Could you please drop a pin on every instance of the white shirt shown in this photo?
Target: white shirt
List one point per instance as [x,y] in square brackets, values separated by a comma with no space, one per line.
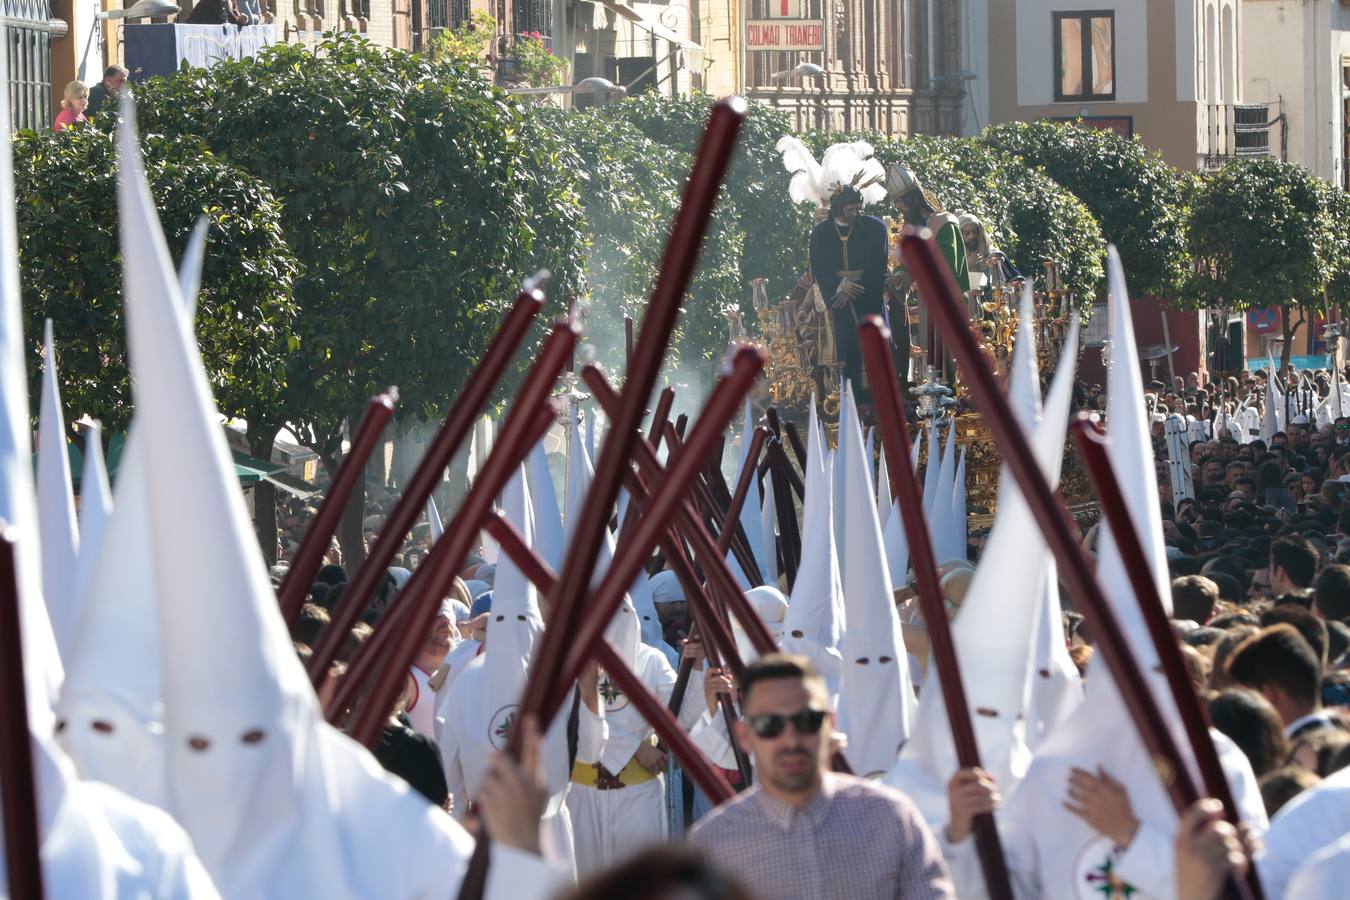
[1311,821]
[422,709]
[1301,721]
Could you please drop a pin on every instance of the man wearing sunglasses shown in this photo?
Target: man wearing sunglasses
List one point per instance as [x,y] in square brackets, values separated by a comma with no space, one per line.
[804,831]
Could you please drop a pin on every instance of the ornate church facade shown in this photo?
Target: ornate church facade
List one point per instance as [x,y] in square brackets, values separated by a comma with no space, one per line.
[892,66]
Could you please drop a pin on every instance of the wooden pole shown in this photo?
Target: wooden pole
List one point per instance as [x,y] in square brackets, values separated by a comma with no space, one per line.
[669,497]
[414,610]
[458,423]
[947,311]
[742,490]
[890,415]
[713,564]
[672,280]
[23,860]
[294,587]
[1194,717]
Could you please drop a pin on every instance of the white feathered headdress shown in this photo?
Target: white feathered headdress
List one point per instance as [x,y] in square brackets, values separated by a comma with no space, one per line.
[842,165]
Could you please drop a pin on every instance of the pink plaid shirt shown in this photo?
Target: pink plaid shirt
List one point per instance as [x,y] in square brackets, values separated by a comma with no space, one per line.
[854,838]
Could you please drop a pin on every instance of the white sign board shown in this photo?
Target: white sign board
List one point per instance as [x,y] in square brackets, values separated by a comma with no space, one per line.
[785,9]
[785,34]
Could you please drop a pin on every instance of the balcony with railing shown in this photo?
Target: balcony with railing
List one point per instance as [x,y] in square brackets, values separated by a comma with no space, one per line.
[1240,131]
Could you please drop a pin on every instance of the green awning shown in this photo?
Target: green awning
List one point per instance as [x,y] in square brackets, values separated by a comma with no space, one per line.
[250,470]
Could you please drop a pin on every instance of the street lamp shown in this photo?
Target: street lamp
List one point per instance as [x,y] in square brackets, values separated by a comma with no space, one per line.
[592,85]
[801,70]
[141,9]
[806,70]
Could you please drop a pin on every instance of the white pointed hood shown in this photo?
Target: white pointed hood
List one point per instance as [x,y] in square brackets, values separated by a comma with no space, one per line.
[995,632]
[750,509]
[59,535]
[514,626]
[876,701]
[95,510]
[273,798]
[812,625]
[113,711]
[958,518]
[548,524]
[112,698]
[940,510]
[893,533]
[434,524]
[768,530]
[1099,732]
[624,630]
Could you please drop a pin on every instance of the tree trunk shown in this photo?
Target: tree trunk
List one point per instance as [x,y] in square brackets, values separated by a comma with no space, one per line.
[265,497]
[349,532]
[1287,333]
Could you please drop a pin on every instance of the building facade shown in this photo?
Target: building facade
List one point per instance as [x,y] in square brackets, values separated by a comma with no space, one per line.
[1169,71]
[888,65]
[1296,56]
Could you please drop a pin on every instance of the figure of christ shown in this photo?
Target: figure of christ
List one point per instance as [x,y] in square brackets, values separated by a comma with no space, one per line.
[848,259]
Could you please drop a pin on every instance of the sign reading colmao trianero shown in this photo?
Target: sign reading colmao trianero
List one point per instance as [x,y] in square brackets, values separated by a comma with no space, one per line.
[785,34]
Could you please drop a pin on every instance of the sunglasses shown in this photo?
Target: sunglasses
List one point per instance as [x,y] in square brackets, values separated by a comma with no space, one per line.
[771,725]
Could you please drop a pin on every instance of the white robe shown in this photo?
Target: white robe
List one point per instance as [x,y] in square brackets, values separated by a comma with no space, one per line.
[1310,821]
[1325,875]
[422,709]
[610,826]
[466,751]
[1048,855]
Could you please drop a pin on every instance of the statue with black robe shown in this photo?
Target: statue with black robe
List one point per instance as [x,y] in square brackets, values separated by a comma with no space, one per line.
[848,259]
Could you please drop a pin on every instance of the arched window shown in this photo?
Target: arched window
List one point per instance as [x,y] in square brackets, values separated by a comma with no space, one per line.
[1229,77]
[1211,62]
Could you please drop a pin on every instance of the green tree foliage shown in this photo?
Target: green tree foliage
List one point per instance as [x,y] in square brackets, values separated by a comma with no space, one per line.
[1268,233]
[1139,201]
[1261,233]
[632,189]
[70,265]
[757,186]
[406,188]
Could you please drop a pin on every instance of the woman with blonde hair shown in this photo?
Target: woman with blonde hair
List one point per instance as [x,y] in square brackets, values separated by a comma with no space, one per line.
[72,106]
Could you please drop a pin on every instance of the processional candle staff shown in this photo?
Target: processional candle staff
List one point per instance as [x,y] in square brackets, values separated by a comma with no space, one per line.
[294,587]
[405,624]
[456,427]
[875,341]
[1054,520]
[1091,446]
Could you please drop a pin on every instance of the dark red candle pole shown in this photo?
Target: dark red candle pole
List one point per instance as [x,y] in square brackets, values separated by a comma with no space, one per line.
[1195,719]
[875,341]
[938,287]
[795,441]
[660,417]
[416,606]
[714,565]
[672,280]
[458,423]
[669,497]
[666,726]
[23,859]
[294,587]
[742,490]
